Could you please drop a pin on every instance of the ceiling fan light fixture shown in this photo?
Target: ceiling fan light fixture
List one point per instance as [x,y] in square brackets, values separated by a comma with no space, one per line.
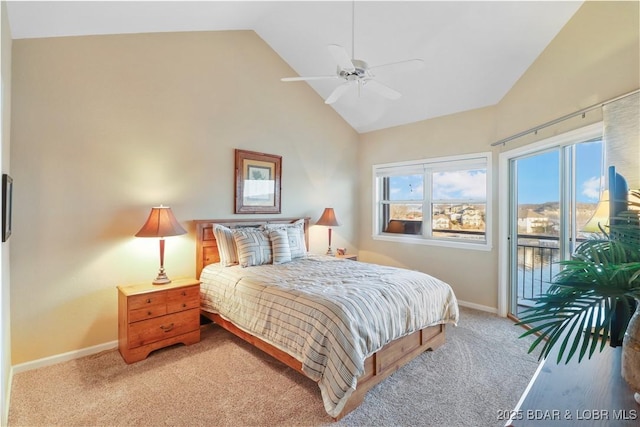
[356,71]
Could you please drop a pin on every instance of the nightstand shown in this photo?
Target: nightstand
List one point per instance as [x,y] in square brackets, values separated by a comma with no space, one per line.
[348,256]
[151,317]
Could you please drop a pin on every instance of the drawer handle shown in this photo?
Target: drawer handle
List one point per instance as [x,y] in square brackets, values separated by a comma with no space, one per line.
[167,328]
[148,300]
[184,294]
[184,305]
[149,313]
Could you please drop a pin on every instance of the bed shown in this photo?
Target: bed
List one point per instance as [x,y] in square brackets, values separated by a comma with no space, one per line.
[315,313]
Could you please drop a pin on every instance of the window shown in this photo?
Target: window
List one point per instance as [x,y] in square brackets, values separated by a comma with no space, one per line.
[442,201]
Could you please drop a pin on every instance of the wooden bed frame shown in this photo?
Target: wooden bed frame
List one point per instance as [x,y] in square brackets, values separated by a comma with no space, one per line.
[378,366]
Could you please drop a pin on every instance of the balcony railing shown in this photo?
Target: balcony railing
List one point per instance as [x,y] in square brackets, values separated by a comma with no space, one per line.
[538,263]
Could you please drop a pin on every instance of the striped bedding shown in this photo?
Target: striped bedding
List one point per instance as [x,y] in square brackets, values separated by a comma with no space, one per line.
[328,313]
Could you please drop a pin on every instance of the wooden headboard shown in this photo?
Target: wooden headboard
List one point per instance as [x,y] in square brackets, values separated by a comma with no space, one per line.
[206,247]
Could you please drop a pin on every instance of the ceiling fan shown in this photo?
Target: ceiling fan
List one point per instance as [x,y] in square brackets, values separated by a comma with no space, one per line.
[356,72]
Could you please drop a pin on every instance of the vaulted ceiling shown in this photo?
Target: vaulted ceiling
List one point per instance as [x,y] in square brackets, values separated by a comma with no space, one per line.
[473,51]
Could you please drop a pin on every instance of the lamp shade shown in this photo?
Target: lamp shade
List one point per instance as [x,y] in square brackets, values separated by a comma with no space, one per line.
[328,218]
[600,217]
[161,223]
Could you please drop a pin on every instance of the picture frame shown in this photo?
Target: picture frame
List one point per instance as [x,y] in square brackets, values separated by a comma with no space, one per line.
[257,182]
[7,199]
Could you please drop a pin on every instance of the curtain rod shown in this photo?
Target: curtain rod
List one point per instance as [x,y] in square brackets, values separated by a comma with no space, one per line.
[563,118]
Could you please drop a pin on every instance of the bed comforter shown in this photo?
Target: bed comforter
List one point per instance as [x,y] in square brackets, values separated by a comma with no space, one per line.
[328,313]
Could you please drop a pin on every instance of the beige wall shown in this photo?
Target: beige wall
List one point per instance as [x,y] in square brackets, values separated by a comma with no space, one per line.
[594,58]
[106,127]
[5,283]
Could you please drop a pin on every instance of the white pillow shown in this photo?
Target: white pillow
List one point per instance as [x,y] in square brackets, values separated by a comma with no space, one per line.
[295,233]
[254,246]
[280,245]
[226,245]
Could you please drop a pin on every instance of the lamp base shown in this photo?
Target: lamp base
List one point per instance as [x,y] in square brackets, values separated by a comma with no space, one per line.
[330,252]
[162,278]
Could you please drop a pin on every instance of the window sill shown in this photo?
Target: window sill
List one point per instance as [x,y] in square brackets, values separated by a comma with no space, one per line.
[433,242]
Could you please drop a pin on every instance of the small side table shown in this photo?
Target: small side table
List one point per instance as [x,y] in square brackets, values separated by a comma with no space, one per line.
[151,317]
[348,256]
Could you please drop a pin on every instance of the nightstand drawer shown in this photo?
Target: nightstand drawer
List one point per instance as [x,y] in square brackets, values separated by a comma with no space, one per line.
[147,300]
[147,313]
[156,329]
[183,299]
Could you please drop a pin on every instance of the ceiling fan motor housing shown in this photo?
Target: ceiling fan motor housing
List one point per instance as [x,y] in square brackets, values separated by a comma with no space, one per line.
[360,70]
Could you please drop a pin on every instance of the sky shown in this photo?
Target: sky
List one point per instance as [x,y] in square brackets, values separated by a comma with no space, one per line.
[538,176]
[464,184]
[538,179]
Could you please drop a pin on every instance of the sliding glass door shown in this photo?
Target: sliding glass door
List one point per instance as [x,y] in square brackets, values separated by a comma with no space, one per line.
[553,191]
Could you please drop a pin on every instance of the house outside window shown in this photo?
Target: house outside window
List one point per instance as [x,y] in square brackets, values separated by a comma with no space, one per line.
[441,201]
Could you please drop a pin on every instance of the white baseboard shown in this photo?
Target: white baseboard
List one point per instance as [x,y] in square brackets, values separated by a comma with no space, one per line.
[64,357]
[491,310]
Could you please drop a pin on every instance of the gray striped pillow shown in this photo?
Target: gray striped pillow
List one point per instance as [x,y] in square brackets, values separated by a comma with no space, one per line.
[254,246]
[280,246]
[296,240]
[226,245]
[295,231]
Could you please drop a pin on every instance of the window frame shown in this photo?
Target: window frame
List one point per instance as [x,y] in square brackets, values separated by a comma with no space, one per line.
[428,167]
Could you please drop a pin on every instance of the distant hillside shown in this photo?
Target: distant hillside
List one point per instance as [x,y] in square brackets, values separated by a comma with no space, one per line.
[551,210]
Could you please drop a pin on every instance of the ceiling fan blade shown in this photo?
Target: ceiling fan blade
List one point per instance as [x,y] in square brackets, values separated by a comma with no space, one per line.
[409,64]
[299,79]
[338,92]
[341,56]
[380,89]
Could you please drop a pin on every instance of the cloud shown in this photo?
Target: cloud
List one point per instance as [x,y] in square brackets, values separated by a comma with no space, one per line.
[470,184]
[591,188]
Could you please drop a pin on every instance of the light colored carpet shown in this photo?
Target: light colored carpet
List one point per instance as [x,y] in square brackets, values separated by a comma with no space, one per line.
[222,381]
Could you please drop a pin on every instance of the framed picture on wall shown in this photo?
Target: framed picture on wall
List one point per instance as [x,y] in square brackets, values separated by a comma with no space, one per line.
[7,193]
[257,184]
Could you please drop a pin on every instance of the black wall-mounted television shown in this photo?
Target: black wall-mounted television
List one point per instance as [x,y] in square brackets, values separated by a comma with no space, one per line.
[618,202]
[618,193]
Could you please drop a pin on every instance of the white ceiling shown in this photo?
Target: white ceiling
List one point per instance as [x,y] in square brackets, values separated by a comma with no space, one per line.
[474,51]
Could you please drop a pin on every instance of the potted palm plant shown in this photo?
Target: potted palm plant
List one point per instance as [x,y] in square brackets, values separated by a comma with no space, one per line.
[598,285]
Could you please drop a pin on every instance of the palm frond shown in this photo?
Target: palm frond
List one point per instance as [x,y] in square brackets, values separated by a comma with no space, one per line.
[560,314]
[600,281]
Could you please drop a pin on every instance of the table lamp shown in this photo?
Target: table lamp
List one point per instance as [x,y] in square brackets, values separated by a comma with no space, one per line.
[161,223]
[328,219]
[600,217]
